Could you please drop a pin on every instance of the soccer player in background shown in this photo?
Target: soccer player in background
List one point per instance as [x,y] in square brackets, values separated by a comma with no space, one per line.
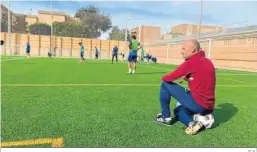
[154,60]
[200,74]
[115,53]
[81,52]
[134,46]
[148,57]
[28,50]
[50,54]
[96,52]
[123,56]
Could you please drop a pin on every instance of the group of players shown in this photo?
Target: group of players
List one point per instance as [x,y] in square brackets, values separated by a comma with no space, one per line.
[97,52]
[133,45]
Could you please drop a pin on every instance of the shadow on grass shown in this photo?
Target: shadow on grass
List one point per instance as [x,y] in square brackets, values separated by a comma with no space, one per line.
[223,113]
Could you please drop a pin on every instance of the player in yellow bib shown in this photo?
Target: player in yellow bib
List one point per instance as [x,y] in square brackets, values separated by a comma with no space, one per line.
[134,46]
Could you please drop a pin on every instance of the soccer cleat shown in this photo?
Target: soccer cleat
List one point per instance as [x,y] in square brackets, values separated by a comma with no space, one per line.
[194,128]
[164,121]
[129,72]
[133,72]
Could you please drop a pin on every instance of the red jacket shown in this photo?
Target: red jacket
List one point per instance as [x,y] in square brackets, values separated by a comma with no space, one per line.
[200,74]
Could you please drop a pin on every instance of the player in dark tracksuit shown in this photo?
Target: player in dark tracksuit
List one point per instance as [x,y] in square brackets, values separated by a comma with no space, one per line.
[28,50]
[115,54]
[154,60]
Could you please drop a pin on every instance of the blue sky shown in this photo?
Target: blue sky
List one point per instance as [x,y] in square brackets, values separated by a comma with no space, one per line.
[164,14]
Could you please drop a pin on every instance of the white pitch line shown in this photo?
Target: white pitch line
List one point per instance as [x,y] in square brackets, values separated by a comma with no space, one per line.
[239,74]
[95,85]
[228,74]
[12,59]
[236,80]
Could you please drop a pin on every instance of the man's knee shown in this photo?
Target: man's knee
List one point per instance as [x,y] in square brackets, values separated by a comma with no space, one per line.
[176,111]
[181,110]
[166,85]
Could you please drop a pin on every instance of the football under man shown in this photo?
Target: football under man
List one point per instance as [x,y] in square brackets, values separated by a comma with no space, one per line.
[134,46]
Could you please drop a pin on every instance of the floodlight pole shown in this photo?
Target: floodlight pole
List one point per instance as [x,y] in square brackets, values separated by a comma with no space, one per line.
[9,27]
[51,26]
[200,19]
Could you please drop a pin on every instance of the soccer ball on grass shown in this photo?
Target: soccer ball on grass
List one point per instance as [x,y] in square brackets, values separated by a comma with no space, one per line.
[206,120]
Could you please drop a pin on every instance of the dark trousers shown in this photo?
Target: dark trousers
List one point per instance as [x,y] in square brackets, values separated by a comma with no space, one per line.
[116,56]
[188,106]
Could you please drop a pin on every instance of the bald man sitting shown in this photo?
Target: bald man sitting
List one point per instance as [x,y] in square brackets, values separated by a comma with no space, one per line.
[199,72]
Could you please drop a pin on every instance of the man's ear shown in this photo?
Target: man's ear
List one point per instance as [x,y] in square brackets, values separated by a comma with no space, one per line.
[194,50]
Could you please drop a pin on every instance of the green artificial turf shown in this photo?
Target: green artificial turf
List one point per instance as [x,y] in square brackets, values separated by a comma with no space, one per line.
[115,115]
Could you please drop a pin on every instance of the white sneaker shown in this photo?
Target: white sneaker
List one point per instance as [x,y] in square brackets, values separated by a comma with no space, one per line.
[165,121]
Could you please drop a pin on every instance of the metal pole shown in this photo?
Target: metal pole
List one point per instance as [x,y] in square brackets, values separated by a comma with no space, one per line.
[209,48]
[200,19]
[126,33]
[167,53]
[139,33]
[9,27]
[51,26]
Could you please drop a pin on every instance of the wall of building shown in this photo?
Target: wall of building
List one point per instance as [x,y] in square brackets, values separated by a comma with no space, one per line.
[189,29]
[4,14]
[4,18]
[150,34]
[166,36]
[46,18]
[31,19]
[229,53]
[179,29]
[147,34]
[62,46]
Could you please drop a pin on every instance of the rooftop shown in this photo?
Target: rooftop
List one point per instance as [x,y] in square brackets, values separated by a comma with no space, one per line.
[226,33]
[197,25]
[51,12]
[34,16]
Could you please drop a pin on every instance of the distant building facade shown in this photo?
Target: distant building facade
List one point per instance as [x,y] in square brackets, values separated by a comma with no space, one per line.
[190,29]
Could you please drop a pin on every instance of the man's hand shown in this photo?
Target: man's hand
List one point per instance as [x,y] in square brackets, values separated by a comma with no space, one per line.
[139,48]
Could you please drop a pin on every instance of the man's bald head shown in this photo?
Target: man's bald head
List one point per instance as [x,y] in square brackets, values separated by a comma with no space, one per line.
[194,44]
[190,47]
